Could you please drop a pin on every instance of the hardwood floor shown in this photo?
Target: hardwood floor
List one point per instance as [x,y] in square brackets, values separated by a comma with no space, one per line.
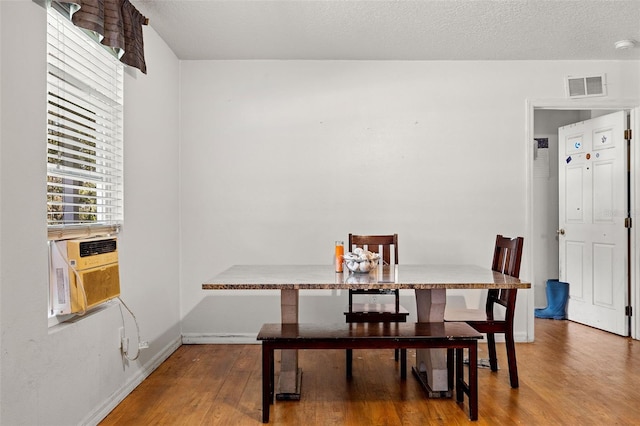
[571,375]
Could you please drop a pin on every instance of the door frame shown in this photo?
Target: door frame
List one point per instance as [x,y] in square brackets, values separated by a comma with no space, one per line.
[632,105]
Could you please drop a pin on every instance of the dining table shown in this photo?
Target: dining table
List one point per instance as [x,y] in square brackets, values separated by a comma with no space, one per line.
[430,283]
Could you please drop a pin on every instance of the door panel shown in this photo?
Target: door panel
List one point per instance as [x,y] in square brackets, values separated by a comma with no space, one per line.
[574,269]
[603,277]
[574,200]
[592,210]
[603,190]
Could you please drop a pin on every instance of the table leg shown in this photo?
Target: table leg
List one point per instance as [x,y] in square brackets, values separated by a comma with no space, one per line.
[290,374]
[431,364]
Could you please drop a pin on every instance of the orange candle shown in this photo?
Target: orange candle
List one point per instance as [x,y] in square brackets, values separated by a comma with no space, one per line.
[339,255]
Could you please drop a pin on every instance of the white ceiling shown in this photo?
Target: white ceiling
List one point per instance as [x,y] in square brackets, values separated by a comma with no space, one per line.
[396,30]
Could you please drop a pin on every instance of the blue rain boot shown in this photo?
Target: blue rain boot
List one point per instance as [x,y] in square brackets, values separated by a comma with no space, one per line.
[557,298]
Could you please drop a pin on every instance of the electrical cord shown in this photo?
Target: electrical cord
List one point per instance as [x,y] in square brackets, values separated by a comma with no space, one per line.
[125,352]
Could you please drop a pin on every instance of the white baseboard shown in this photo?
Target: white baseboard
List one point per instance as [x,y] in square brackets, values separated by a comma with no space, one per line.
[108,405]
[521,337]
[219,338]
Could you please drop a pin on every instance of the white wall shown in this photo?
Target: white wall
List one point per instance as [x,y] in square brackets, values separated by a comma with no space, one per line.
[281,158]
[74,373]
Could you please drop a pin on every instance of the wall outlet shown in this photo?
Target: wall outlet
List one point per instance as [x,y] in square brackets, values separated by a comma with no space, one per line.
[124,341]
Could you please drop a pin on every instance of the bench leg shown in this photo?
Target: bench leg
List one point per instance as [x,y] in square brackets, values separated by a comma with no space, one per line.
[450,368]
[403,363]
[459,373]
[272,378]
[473,381]
[471,386]
[267,381]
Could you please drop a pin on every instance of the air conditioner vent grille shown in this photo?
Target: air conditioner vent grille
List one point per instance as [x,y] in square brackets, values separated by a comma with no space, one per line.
[92,248]
[594,85]
[576,87]
[582,87]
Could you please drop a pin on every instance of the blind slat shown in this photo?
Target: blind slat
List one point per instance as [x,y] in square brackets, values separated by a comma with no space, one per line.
[55,188]
[90,116]
[67,144]
[70,174]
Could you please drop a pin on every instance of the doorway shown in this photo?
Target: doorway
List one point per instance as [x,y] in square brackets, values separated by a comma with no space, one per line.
[543,122]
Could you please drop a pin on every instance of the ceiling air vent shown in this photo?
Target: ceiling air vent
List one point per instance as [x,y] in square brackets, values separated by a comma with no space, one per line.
[583,87]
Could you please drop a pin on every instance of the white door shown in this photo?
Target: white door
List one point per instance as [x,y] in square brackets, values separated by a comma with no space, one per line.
[593,202]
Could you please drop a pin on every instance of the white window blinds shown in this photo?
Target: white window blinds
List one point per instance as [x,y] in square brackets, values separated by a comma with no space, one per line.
[84,146]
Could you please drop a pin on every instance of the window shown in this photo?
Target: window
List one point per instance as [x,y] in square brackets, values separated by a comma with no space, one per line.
[84,145]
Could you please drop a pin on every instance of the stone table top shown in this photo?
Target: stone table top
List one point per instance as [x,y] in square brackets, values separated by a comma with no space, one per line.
[301,277]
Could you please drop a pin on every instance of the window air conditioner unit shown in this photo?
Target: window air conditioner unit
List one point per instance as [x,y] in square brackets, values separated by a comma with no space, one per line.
[83,274]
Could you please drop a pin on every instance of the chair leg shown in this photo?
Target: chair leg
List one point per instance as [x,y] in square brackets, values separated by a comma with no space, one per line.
[349,363]
[403,363]
[491,345]
[511,358]
[397,354]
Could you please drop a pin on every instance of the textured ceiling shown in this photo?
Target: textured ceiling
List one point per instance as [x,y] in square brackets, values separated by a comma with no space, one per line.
[396,30]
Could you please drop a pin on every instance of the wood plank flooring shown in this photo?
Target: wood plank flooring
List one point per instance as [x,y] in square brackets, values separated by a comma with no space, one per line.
[571,375]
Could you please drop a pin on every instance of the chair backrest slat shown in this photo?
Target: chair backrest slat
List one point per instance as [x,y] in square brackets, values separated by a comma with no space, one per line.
[382,244]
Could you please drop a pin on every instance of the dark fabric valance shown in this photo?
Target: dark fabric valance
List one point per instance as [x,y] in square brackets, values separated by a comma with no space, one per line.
[119,24]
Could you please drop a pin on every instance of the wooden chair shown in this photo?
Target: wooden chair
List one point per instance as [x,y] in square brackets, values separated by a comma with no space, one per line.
[506,259]
[376,312]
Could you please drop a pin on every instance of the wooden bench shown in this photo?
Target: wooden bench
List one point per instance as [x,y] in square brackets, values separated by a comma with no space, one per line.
[450,335]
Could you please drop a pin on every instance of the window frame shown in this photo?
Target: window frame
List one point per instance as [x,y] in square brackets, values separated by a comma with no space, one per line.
[85,132]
